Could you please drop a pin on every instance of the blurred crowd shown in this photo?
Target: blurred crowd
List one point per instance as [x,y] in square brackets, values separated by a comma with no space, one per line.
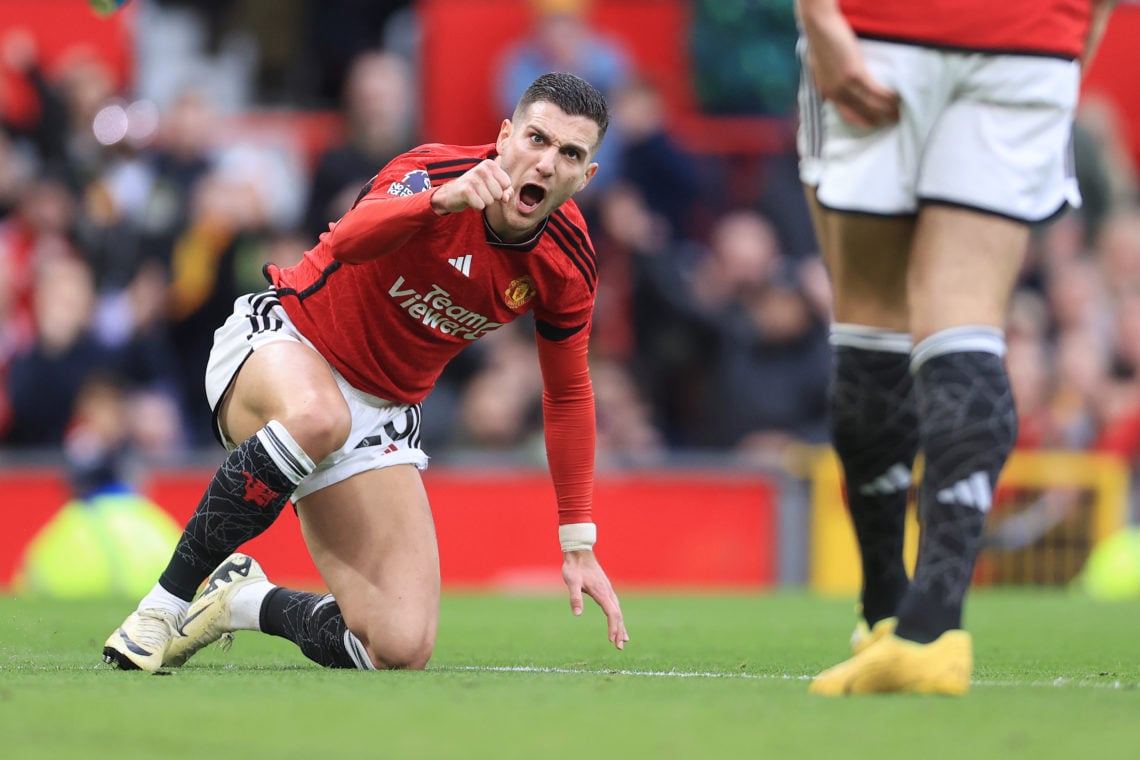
[127,228]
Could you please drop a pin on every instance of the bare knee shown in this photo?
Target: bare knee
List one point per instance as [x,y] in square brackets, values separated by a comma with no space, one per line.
[319,427]
[394,649]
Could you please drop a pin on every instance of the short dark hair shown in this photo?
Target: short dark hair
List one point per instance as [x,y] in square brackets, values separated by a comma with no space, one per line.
[572,94]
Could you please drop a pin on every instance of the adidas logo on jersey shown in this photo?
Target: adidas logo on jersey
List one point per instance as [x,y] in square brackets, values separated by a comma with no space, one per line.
[462,263]
[973,491]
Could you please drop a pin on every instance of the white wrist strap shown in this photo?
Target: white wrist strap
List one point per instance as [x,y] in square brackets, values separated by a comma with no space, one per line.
[577,537]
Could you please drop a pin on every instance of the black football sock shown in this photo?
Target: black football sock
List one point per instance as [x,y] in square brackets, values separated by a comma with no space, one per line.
[874,429]
[968,425]
[315,624]
[244,497]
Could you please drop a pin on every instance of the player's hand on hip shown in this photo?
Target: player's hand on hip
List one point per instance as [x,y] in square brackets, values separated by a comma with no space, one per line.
[479,187]
[583,575]
[841,75]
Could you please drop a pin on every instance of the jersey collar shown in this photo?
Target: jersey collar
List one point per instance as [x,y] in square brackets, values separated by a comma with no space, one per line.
[526,245]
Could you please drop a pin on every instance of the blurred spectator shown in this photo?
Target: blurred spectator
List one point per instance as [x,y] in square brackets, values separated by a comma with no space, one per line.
[1119,251]
[626,434]
[97,440]
[1029,378]
[44,125]
[85,85]
[215,260]
[561,39]
[666,175]
[500,406]
[44,379]
[38,229]
[187,43]
[768,380]
[336,33]
[643,315]
[1081,378]
[1078,298]
[17,168]
[182,155]
[380,109]
[1105,171]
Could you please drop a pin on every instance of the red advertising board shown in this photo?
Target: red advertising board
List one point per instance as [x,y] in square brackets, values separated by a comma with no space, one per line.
[497,528]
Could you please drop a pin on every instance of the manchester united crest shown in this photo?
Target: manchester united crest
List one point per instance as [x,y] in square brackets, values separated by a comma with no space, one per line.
[519,292]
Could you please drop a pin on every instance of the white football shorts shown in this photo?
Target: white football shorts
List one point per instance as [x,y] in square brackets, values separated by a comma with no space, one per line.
[982,131]
[384,433]
[809,131]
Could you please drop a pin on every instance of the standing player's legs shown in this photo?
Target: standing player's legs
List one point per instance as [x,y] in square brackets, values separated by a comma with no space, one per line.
[873,420]
[963,267]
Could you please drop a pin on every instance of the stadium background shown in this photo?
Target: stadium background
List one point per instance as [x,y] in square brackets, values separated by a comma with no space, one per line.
[746,499]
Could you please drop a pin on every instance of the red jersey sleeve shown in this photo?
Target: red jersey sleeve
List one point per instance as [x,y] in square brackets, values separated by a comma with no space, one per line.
[569,426]
[395,204]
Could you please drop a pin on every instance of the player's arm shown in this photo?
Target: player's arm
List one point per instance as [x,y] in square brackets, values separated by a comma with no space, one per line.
[569,426]
[380,222]
[837,66]
[1101,10]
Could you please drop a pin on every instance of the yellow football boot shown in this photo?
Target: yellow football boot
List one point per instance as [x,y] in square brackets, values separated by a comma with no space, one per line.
[863,636]
[893,665]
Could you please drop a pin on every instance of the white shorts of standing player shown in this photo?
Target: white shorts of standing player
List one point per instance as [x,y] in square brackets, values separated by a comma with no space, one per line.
[809,131]
[990,132]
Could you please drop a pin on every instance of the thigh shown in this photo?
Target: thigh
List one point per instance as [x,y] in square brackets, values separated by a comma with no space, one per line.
[373,540]
[261,368]
[284,380]
[868,258]
[964,265]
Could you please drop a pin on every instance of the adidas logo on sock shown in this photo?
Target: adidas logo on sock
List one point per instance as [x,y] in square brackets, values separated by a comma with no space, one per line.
[462,263]
[973,491]
[895,479]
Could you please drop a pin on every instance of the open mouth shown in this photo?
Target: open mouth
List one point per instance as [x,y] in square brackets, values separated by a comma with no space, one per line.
[530,196]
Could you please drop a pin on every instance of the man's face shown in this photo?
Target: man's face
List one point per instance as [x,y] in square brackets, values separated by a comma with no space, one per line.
[547,155]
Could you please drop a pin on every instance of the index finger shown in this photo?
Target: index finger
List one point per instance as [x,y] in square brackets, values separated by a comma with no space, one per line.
[500,175]
[615,622]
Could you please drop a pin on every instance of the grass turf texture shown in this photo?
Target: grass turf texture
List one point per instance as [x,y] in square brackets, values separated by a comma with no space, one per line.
[711,676]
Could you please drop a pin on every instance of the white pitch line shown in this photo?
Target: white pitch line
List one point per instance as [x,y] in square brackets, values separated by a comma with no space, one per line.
[1057,683]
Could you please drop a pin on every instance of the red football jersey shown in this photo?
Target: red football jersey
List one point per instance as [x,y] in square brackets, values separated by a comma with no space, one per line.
[426,286]
[1038,27]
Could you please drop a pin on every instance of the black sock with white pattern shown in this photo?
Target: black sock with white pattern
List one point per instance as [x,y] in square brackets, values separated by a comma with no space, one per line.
[315,624]
[874,429]
[243,499]
[968,426]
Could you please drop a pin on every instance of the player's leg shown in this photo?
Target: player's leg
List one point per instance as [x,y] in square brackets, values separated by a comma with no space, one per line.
[996,159]
[863,210]
[285,408]
[965,265]
[871,398]
[963,269]
[373,540]
[287,411]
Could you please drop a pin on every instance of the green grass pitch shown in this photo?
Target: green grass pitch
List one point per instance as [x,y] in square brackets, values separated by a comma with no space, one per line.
[705,676]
